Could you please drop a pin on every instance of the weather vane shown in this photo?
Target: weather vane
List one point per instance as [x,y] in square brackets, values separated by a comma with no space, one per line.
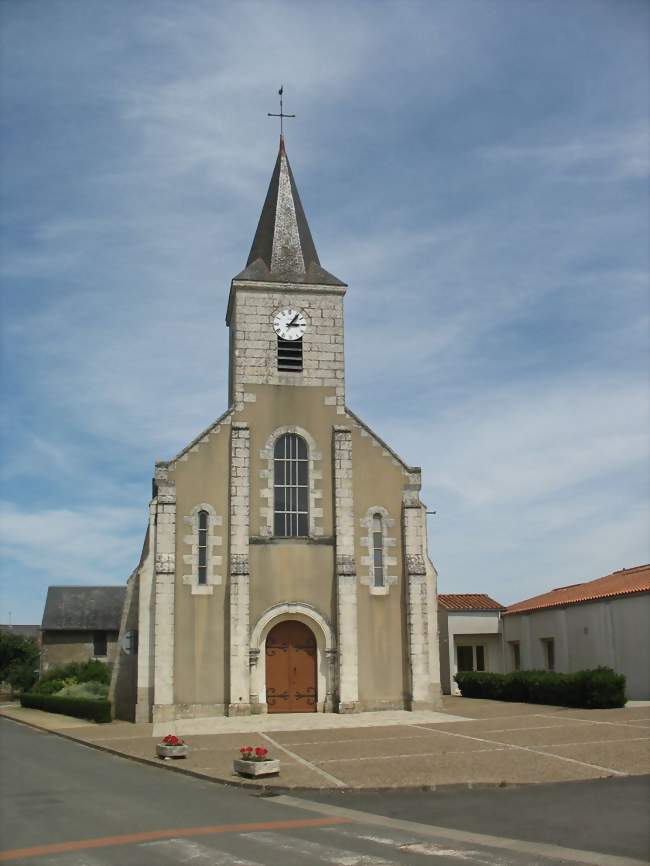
[281,115]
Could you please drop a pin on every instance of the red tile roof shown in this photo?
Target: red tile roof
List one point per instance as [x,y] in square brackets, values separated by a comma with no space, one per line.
[468,601]
[623,582]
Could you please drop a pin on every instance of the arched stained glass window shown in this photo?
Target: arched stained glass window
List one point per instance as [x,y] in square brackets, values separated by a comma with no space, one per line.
[378,550]
[203,547]
[290,486]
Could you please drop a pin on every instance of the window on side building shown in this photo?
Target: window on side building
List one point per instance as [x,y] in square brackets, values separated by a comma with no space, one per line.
[465,658]
[548,645]
[100,646]
[515,655]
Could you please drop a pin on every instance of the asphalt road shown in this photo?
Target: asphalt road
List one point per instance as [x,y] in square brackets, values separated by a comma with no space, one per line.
[64,804]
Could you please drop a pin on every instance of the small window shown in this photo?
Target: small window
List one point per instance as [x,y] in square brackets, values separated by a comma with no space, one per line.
[480,658]
[465,658]
[290,487]
[203,547]
[130,642]
[548,645]
[378,550]
[290,355]
[99,644]
[516,655]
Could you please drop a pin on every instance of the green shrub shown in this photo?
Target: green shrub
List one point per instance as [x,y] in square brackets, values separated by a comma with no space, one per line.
[599,688]
[21,675]
[72,673]
[48,687]
[92,691]
[81,708]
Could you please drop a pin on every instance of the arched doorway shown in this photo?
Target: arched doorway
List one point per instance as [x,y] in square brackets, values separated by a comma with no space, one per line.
[291,668]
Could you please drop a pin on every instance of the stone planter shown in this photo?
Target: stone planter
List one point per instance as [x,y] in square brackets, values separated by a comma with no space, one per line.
[164,751]
[256,768]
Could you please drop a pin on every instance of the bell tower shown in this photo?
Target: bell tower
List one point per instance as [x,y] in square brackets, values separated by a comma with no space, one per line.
[285,311]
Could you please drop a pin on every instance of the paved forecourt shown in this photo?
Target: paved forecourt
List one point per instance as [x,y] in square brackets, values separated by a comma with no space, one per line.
[66,805]
[471,742]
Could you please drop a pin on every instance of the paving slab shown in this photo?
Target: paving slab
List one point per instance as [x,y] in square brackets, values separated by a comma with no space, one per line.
[299,722]
[557,734]
[631,757]
[491,766]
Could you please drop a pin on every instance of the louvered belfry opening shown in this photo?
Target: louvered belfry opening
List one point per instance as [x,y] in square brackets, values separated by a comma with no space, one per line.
[290,355]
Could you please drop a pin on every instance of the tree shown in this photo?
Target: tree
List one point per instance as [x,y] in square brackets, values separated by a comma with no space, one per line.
[18,660]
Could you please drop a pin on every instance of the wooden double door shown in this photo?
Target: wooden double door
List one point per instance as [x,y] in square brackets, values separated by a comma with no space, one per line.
[291,668]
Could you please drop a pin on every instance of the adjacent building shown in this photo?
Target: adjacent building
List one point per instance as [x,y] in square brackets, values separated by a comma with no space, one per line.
[80,623]
[600,622]
[470,636]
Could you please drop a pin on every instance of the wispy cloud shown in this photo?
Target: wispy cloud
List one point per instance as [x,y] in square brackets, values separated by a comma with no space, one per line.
[483,190]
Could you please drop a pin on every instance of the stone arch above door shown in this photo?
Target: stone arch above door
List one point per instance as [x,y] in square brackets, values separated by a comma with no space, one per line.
[325,652]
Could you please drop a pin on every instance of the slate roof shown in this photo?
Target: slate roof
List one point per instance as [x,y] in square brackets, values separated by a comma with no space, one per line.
[283,249]
[627,581]
[77,608]
[468,601]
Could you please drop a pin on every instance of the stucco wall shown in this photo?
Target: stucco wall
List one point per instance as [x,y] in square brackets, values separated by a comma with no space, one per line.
[471,628]
[61,647]
[611,632]
[383,663]
[202,477]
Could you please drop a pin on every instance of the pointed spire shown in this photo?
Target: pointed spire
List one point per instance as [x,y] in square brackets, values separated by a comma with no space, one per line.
[283,249]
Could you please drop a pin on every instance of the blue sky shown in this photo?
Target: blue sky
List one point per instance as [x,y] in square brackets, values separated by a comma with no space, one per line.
[476,171]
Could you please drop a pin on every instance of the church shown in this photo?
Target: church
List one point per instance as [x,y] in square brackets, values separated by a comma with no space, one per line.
[285,565]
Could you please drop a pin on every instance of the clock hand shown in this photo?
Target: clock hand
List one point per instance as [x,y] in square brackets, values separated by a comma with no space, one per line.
[293,321]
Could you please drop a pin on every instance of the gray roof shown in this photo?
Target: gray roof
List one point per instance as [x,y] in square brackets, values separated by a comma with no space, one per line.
[83,607]
[283,249]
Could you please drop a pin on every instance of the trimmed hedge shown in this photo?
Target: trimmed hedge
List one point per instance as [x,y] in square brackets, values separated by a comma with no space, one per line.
[601,688]
[81,708]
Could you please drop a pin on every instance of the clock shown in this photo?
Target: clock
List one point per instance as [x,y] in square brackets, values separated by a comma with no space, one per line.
[289,324]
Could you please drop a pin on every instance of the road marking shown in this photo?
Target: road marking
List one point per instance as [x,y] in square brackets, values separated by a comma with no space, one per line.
[520,846]
[610,770]
[311,850]
[409,843]
[595,721]
[330,778]
[503,747]
[187,851]
[152,835]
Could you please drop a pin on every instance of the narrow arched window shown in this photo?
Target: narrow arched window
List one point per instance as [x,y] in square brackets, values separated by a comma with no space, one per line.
[378,550]
[290,486]
[203,547]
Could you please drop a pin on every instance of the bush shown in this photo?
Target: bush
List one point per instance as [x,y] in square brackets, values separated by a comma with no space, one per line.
[92,691]
[72,673]
[21,675]
[599,688]
[48,687]
[81,708]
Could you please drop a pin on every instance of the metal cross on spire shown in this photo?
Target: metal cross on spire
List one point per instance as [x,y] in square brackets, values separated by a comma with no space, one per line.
[281,115]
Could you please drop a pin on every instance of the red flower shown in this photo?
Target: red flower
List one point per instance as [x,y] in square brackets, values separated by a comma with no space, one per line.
[261,753]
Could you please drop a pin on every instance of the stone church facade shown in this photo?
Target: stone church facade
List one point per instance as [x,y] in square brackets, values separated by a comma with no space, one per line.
[285,564]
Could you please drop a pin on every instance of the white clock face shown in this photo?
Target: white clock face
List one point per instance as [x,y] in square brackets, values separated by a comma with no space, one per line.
[290,324]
